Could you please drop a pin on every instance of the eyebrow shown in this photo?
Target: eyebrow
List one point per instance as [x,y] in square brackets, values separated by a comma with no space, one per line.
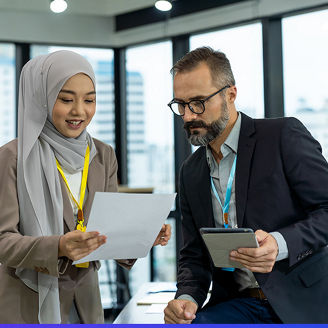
[190,99]
[74,93]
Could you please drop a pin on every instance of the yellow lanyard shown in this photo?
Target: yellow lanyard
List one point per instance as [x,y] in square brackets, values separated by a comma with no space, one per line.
[80,218]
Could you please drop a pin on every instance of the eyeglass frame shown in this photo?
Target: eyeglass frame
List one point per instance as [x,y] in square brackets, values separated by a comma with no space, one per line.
[202,101]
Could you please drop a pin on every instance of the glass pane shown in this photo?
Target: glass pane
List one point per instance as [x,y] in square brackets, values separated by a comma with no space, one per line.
[107,282]
[149,129]
[7,93]
[139,274]
[165,258]
[305,53]
[243,47]
[102,125]
[149,120]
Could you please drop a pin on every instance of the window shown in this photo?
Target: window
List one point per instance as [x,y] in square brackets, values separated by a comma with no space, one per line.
[165,258]
[102,125]
[243,47]
[7,93]
[305,53]
[150,137]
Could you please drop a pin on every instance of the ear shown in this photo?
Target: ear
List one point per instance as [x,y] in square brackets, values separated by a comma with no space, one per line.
[231,94]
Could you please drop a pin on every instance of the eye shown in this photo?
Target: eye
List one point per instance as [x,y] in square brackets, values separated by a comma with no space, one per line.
[90,101]
[66,100]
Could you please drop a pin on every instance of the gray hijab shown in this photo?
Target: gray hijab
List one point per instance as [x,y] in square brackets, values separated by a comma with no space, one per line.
[38,184]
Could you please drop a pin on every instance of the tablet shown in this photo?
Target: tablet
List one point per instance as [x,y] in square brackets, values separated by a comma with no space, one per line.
[225,230]
[221,241]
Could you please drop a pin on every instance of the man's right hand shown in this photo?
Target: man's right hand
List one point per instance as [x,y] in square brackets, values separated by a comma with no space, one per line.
[180,311]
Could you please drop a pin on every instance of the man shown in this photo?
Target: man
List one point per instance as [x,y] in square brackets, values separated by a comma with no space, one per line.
[279,189]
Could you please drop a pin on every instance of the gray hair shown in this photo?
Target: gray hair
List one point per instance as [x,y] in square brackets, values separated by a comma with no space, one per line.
[217,62]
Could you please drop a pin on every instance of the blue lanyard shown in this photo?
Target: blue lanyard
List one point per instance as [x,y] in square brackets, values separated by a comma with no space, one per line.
[225,207]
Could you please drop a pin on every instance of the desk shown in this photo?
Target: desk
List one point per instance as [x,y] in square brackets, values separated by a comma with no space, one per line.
[133,313]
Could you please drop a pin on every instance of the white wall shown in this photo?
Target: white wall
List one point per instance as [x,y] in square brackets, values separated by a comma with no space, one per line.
[55,28]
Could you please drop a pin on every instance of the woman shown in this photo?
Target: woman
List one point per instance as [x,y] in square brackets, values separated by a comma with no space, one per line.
[49,176]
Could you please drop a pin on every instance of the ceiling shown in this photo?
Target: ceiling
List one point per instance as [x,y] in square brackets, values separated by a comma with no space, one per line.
[78,7]
[126,13]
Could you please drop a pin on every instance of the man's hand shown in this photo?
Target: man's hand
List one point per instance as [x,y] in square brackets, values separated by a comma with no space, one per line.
[163,236]
[180,311]
[261,259]
[77,244]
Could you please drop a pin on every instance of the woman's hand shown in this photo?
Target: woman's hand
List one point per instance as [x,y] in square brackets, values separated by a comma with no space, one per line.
[77,244]
[163,236]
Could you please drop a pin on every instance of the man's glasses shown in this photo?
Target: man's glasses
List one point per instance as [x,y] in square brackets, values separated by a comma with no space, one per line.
[196,106]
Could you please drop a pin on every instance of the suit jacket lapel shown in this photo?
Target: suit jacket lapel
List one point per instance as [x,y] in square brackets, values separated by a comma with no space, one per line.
[201,178]
[246,146]
[96,182]
[68,211]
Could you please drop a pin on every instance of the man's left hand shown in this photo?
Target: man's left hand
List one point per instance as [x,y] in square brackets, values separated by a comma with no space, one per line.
[261,259]
[164,236]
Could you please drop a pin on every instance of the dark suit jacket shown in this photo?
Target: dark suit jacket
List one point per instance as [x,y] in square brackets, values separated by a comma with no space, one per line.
[281,185]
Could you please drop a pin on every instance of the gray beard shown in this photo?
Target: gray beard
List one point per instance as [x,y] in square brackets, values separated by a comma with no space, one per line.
[214,130]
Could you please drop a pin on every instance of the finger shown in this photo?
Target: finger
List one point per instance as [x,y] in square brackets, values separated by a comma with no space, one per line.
[168,319]
[171,318]
[89,235]
[238,257]
[87,246]
[254,263]
[190,309]
[164,239]
[92,243]
[79,253]
[261,269]
[168,230]
[77,235]
[184,310]
[175,309]
[261,235]
[250,252]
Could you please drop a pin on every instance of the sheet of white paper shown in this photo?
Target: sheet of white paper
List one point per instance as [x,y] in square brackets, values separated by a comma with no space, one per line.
[131,223]
[156,298]
[156,308]
[168,286]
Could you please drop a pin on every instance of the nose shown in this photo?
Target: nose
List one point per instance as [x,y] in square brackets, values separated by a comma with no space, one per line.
[78,108]
[189,115]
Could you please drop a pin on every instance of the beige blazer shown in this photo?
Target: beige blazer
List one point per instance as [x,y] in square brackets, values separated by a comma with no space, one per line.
[18,303]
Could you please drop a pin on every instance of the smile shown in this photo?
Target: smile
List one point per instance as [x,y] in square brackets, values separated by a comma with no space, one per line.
[74,125]
[74,122]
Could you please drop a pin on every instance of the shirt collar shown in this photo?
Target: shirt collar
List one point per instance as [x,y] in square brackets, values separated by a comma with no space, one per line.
[233,137]
[231,143]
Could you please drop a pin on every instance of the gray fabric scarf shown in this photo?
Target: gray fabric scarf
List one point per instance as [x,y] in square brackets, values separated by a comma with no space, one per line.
[38,183]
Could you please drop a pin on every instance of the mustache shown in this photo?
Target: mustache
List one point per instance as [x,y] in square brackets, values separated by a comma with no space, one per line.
[195,124]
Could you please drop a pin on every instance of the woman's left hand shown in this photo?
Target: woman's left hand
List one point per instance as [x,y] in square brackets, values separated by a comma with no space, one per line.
[163,236]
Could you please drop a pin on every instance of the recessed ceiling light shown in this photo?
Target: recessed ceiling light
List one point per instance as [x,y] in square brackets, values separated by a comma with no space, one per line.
[58,6]
[163,5]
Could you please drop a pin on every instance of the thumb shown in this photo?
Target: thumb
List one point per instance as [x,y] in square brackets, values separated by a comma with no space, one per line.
[261,235]
[190,310]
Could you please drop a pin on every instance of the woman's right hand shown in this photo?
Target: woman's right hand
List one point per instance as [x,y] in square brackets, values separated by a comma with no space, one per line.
[77,244]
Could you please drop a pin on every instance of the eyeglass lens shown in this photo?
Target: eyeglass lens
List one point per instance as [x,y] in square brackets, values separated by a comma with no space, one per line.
[179,109]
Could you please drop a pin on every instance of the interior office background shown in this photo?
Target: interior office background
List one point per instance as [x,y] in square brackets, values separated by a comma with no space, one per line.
[278,51]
